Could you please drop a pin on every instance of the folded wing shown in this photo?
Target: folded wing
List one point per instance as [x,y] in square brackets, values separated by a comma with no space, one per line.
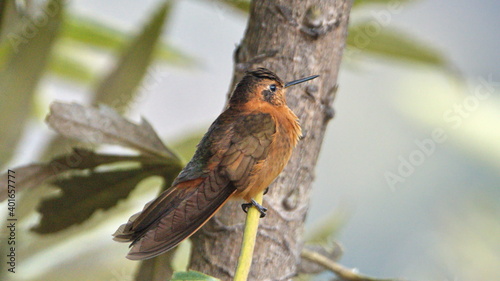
[222,164]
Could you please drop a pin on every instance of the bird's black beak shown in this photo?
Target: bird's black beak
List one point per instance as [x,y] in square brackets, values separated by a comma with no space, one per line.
[298,81]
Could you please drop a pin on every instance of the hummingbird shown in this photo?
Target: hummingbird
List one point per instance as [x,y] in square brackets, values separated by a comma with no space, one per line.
[242,153]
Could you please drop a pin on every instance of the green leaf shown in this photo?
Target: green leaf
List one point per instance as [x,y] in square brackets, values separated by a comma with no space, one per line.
[192,276]
[119,87]
[169,53]
[78,33]
[372,38]
[92,32]
[33,175]
[83,195]
[101,35]
[20,75]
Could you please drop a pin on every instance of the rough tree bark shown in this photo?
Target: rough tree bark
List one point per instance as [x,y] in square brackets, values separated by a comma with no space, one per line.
[295,39]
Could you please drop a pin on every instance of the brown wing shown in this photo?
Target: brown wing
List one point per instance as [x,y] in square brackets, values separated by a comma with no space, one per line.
[185,210]
[221,164]
[249,145]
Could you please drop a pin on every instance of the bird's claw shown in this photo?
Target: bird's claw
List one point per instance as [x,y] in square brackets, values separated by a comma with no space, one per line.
[259,207]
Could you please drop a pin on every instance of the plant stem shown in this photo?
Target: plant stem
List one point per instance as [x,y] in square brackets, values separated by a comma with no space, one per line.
[248,243]
[343,272]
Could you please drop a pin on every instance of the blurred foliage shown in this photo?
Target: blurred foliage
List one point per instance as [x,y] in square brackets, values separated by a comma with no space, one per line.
[118,87]
[155,269]
[468,119]
[26,57]
[80,35]
[22,71]
[121,84]
[471,245]
[103,36]
[240,5]
[326,228]
[391,44]
[321,239]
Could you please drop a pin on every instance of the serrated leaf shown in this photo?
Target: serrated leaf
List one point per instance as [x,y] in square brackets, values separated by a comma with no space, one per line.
[393,44]
[83,195]
[119,87]
[20,75]
[192,276]
[92,32]
[25,178]
[33,175]
[104,126]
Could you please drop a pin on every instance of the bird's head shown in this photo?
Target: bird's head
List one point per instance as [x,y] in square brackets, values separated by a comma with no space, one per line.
[262,85]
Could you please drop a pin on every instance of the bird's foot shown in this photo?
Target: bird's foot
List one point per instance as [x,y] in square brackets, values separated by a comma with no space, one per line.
[266,190]
[259,207]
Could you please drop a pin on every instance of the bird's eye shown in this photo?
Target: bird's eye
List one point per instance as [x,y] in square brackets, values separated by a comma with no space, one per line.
[272,88]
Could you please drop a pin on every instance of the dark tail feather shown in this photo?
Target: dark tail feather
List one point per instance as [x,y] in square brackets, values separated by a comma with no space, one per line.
[174,216]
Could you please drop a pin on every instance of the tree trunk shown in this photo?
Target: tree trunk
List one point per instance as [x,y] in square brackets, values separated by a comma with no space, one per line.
[294,39]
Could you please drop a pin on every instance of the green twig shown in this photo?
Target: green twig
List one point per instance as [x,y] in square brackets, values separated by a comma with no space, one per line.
[248,243]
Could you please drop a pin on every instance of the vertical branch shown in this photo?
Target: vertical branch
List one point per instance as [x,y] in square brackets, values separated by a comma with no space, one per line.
[293,38]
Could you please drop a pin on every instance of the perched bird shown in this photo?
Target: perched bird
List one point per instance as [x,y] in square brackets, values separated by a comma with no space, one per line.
[242,153]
